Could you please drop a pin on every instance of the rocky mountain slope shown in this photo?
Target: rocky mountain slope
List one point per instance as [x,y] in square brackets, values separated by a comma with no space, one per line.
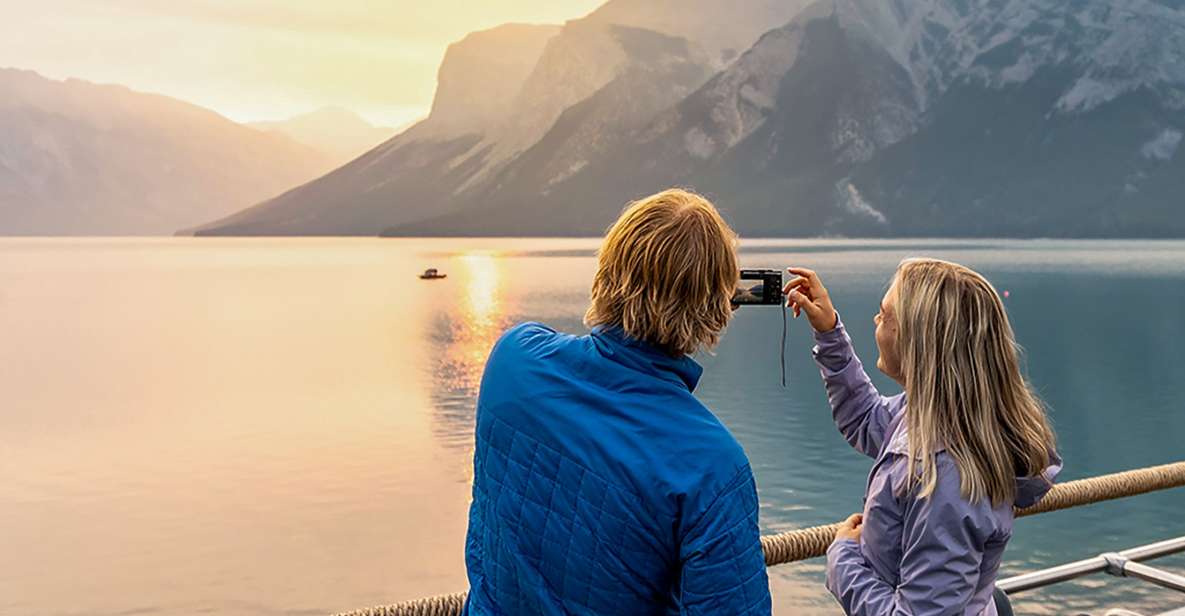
[723,29]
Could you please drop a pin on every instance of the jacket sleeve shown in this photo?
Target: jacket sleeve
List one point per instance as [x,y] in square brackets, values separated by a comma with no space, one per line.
[722,564]
[944,539]
[861,413]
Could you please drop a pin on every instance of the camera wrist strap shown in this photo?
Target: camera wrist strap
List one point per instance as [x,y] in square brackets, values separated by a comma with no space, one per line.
[784,316]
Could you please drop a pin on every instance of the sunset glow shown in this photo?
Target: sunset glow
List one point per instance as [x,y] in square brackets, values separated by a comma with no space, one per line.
[262,59]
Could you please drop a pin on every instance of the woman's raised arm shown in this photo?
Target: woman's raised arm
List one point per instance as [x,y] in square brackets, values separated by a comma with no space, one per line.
[861,413]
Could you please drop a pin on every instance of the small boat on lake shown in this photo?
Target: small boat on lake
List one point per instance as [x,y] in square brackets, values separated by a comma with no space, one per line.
[432,274]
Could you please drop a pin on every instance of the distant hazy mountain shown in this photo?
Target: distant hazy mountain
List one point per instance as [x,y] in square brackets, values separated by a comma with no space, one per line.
[78,158]
[340,134]
[857,117]
[479,80]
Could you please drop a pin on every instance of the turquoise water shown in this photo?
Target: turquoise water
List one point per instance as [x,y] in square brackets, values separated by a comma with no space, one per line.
[1103,324]
[285,426]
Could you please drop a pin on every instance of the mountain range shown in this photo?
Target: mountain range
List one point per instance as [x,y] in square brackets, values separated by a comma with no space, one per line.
[564,94]
[78,158]
[1059,118]
[1005,118]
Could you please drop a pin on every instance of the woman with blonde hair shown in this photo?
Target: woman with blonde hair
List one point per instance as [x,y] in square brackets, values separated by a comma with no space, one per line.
[964,443]
[600,484]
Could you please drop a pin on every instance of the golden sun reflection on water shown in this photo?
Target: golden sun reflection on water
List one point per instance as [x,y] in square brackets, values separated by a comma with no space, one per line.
[480,320]
[483,280]
[465,334]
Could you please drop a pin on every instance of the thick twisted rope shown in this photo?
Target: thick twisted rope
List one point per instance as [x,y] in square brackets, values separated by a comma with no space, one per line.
[812,542]
[443,605]
[1109,487]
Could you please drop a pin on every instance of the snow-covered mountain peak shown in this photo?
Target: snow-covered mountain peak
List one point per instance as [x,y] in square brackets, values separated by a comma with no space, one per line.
[1114,46]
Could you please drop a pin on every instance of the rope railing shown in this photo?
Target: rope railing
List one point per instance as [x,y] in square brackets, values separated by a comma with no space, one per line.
[807,543]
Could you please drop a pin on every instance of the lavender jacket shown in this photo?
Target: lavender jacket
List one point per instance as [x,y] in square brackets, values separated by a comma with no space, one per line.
[920,557]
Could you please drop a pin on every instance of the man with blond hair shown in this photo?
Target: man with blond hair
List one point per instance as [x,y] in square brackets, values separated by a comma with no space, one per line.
[601,485]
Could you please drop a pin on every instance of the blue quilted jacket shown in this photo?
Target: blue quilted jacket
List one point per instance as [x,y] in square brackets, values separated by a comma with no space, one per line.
[602,486]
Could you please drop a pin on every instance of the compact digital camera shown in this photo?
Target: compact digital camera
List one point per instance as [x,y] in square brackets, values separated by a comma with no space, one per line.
[758,287]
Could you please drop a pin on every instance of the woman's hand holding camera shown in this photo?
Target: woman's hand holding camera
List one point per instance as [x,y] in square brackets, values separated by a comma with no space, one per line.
[805,292]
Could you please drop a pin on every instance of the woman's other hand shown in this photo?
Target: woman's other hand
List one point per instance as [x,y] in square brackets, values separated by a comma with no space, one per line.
[806,293]
[851,528]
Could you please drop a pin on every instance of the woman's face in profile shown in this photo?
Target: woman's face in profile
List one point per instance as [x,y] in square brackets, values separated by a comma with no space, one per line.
[889,361]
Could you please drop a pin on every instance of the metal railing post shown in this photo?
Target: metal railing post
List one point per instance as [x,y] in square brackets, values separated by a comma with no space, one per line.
[1159,577]
[1125,563]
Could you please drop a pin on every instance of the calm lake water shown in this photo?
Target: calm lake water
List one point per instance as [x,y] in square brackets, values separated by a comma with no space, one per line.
[285,426]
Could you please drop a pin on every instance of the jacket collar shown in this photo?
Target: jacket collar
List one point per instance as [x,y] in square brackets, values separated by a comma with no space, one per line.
[613,342]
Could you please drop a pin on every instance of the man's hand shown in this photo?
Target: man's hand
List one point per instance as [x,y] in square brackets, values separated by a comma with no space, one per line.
[806,292]
[851,528]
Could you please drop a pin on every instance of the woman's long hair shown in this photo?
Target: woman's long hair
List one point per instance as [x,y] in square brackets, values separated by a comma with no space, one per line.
[963,383]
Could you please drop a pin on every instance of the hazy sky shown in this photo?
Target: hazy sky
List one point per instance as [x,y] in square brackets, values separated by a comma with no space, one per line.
[261,59]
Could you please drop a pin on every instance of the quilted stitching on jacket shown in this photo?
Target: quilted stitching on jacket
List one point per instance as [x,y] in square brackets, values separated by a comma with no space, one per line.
[592,526]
